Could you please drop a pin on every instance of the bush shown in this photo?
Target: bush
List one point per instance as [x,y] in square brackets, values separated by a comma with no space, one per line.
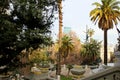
[69,66]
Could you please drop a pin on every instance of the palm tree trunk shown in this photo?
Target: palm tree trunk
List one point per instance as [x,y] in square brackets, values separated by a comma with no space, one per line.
[64,60]
[60,21]
[66,55]
[60,34]
[105,46]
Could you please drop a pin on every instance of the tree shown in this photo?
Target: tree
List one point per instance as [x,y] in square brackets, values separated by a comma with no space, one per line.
[66,46]
[60,36]
[73,53]
[90,33]
[106,15]
[90,51]
[76,42]
[23,24]
[8,34]
[38,55]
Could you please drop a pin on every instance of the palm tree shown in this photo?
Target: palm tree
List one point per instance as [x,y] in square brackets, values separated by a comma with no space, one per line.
[91,51]
[90,33]
[106,14]
[60,20]
[66,46]
[60,34]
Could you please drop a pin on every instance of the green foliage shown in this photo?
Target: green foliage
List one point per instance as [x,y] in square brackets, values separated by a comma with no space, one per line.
[69,66]
[38,55]
[65,78]
[23,25]
[67,46]
[90,51]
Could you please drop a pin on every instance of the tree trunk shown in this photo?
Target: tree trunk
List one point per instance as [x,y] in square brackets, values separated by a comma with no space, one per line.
[25,69]
[60,34]
[105,46]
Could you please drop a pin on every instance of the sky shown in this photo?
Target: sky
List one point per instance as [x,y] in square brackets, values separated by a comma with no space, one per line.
[76,16]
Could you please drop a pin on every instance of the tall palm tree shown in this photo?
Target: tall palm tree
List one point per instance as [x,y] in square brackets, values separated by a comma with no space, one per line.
[106,14]
[60,34]
[66,46]
[60,20]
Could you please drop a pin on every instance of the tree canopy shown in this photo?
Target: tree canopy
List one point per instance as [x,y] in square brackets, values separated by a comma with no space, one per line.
[106,13]
[23,24]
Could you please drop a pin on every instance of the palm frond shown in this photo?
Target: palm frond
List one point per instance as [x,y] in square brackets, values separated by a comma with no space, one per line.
[115,7]
[110,2]
[97,4]
[115,4]
[96,14]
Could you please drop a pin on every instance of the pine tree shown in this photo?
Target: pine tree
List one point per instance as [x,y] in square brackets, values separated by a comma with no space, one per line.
[24,24]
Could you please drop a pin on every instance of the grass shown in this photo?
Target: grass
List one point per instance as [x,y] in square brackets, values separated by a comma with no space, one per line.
[66,78]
